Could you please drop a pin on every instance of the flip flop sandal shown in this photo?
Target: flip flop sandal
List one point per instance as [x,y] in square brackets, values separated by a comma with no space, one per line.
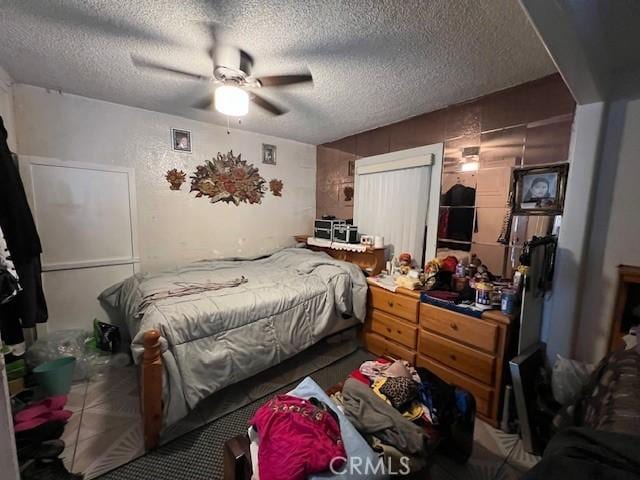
[37,409]
[30,413]
[50,416]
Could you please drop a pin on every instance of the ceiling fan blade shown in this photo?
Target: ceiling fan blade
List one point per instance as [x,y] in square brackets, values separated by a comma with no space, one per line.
[281,80]
[212,28]
[204,104]
[143,63]
[267,105]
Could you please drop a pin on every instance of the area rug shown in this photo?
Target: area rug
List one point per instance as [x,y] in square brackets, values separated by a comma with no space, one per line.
[198,454]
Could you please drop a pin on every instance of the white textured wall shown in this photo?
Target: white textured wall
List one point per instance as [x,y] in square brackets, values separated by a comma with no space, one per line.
[615,232]
[561,308]
[174,227]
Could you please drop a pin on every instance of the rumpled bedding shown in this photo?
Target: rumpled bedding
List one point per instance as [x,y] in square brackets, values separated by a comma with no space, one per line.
[212,339]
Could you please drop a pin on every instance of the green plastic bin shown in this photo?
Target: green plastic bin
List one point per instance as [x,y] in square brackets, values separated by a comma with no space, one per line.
[55,377]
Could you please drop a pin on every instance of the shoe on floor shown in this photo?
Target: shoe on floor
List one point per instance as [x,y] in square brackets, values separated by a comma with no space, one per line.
[50,449]
[48,470]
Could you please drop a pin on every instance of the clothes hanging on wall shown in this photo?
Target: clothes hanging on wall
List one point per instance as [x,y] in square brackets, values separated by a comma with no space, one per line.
[507,222]
[9,284]
[28,307]
[15,215]
[459,221]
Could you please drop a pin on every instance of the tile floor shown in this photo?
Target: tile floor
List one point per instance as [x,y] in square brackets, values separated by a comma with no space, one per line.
[106,432]
[106,428]
[496,456]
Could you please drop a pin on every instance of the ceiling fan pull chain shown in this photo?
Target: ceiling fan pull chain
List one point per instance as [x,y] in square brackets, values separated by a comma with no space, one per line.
[228,131]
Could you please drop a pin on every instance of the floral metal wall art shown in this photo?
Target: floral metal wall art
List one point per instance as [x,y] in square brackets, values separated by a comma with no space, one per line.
[275,186]
[228,178]
[175,178]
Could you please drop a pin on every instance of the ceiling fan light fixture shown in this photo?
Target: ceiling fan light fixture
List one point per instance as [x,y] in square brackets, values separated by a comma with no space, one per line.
[231,101]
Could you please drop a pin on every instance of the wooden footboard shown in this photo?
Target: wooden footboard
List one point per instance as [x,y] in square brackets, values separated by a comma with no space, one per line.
[237,458]
[151,389]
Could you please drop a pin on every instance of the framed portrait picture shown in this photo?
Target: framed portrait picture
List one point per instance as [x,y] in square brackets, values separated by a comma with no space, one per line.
[539,190]
[268,154]
[181,140]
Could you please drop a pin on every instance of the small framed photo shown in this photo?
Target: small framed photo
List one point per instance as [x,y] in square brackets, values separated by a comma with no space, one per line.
[540,190]
[268,154]
[352,168]
[181,140]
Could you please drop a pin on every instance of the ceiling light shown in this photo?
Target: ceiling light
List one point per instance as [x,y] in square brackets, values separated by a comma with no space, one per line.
[470,166]
[232,101]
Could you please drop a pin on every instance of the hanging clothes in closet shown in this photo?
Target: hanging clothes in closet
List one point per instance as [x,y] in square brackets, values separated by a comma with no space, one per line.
[28,306]
[9,285]
[457,222]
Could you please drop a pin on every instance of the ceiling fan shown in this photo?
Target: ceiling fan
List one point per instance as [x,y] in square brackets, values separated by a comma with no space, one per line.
[232,70]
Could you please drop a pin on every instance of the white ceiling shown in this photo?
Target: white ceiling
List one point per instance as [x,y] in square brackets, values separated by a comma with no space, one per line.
[374,62]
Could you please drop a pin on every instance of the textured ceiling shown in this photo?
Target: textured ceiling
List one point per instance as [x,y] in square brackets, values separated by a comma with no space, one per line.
[374,62]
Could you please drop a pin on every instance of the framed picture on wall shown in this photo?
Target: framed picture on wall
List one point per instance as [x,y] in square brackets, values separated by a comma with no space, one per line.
[181,140]
[268,154]
[540,190]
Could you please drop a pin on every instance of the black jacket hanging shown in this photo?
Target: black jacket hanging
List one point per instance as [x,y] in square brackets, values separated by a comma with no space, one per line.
[29,305]
[15,215]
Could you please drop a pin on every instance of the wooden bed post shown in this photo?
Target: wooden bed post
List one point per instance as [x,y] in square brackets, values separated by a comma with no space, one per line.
[151,389]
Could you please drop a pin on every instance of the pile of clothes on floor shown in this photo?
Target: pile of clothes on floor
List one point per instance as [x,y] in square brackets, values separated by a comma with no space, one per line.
[38,427]
[386,418]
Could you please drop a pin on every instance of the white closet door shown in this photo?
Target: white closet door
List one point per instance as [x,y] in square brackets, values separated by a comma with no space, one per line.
[394,204]
[397,196]
[85,214]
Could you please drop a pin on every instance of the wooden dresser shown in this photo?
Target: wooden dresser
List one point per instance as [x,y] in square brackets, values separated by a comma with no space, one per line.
[463,350]
[392,326]
[467,351]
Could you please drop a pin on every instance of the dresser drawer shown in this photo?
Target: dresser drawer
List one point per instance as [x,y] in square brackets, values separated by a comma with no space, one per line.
[482,394]
[381,346]
[393,328]
[472,331]
[455,355]
[395,304]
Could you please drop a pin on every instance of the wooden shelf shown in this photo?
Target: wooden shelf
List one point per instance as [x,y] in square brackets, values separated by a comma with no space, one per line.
[371,260]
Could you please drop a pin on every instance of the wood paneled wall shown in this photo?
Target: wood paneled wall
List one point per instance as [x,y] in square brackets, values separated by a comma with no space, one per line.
[521,118]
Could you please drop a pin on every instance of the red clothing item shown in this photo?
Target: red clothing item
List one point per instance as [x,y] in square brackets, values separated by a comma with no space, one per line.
[297,438]
[357,375]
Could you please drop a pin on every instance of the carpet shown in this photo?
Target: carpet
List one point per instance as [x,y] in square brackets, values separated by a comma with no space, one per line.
[198,454]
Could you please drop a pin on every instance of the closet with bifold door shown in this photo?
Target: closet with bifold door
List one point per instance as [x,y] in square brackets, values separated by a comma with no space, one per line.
[86,217]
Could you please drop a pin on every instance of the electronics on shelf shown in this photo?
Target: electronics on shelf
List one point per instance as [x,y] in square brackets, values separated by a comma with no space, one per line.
[345,233]
[323,228]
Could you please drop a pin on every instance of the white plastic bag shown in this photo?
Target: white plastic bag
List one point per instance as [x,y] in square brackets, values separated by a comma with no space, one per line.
[73,343]
[568,378]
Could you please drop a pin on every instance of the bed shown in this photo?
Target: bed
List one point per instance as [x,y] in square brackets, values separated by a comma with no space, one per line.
[199,328]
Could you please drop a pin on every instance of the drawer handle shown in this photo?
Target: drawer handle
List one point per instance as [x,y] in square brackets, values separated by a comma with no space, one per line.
[452,357]
[389,330]
[390,303]
[453,325]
